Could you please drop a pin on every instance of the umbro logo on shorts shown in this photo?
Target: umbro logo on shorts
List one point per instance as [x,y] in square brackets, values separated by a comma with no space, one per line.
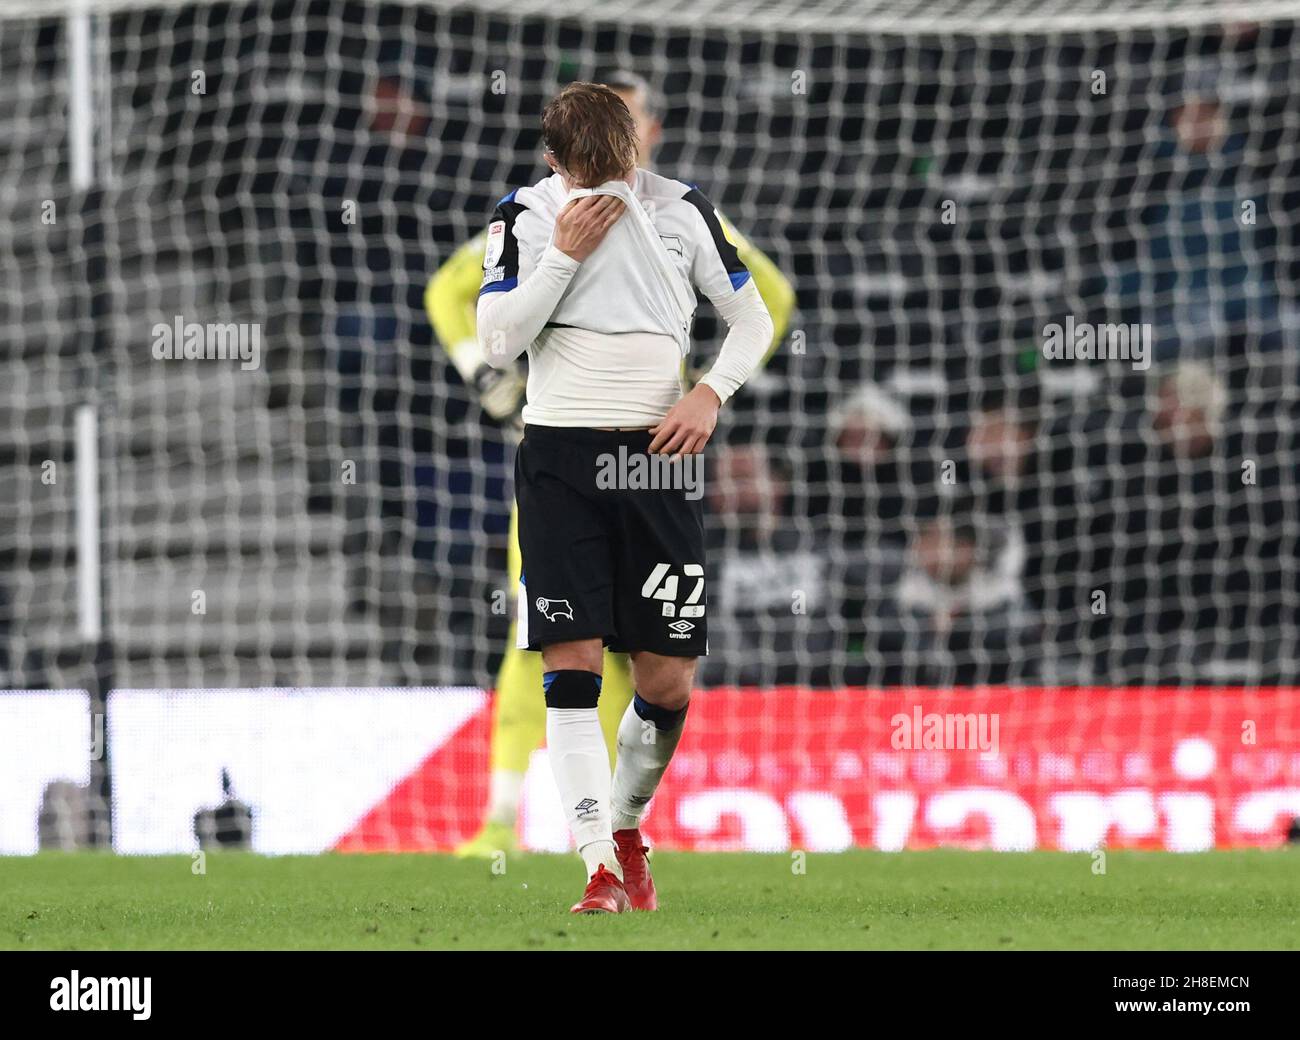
[554,608]
[681,628]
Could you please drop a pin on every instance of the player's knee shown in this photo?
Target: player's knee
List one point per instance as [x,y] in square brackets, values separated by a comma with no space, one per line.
[664,681]
[571,688]
[572,677]
[582,655]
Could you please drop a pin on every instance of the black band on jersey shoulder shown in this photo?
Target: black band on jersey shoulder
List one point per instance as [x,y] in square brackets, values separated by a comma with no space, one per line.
[503,275]
[730,258]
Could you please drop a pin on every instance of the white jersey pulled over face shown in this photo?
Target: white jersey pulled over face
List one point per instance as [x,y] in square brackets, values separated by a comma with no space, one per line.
[605,338]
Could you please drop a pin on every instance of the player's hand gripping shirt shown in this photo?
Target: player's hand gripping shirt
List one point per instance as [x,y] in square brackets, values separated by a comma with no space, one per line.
[604,346]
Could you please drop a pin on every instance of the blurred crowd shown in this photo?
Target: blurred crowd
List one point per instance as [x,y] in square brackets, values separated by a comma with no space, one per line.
[994,514]
[1152,539]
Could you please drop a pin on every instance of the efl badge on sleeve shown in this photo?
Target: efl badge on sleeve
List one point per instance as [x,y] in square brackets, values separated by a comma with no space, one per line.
[496,244]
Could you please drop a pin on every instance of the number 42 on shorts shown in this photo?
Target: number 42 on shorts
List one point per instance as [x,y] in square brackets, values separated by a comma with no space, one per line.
[662,585]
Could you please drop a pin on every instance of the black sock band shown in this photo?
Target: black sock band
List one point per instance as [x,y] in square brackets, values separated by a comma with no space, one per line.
[571,688]
[663,718]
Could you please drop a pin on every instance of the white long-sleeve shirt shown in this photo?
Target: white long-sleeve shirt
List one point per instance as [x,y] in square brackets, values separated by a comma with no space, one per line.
[602,348]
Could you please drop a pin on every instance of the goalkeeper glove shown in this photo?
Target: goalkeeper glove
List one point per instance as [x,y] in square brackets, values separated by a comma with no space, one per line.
[500,391]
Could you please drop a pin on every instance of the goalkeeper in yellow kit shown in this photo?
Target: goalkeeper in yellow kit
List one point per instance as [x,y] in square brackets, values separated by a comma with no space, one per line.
[519,724]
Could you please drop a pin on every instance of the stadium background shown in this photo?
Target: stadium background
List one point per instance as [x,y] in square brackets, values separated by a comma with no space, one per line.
[303,564]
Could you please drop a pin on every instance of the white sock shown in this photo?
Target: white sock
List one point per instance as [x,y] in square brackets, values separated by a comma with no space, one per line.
[601,854]
[580,761]
[644,752]
[505,789]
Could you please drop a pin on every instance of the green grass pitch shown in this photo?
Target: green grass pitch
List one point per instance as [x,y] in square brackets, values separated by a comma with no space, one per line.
[856,900]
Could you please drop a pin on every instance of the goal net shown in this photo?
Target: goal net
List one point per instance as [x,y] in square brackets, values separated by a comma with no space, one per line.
[1032,426]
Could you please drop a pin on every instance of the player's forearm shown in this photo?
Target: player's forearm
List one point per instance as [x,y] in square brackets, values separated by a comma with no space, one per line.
[778,296]
[508,322]
[772,285]
[450,308]
[451,296]
[776,290]
[749,335]
[453,317]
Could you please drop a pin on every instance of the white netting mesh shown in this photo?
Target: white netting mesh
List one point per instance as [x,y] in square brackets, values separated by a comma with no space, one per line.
[302,167]
[824,17]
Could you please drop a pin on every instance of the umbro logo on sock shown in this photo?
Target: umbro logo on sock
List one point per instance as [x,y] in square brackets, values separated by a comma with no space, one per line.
[586,807]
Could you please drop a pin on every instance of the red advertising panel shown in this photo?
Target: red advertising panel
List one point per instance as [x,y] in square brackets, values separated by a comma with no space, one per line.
[1005,768]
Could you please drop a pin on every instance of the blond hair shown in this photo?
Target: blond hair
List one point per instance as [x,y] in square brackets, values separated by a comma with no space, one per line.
[589,131]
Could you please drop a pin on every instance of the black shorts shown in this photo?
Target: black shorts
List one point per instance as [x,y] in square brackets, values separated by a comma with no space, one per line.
[610,551]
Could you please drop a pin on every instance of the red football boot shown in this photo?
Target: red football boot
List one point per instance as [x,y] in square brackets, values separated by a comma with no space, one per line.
[605,895]
[637,881]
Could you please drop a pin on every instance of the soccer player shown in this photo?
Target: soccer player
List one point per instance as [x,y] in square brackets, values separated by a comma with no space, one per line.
[593,272]
[519,719]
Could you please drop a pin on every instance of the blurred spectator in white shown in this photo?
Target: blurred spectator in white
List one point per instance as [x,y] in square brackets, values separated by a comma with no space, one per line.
[1189,407]
[1000,443]
[959,607]
[860,480]
[1021,477]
